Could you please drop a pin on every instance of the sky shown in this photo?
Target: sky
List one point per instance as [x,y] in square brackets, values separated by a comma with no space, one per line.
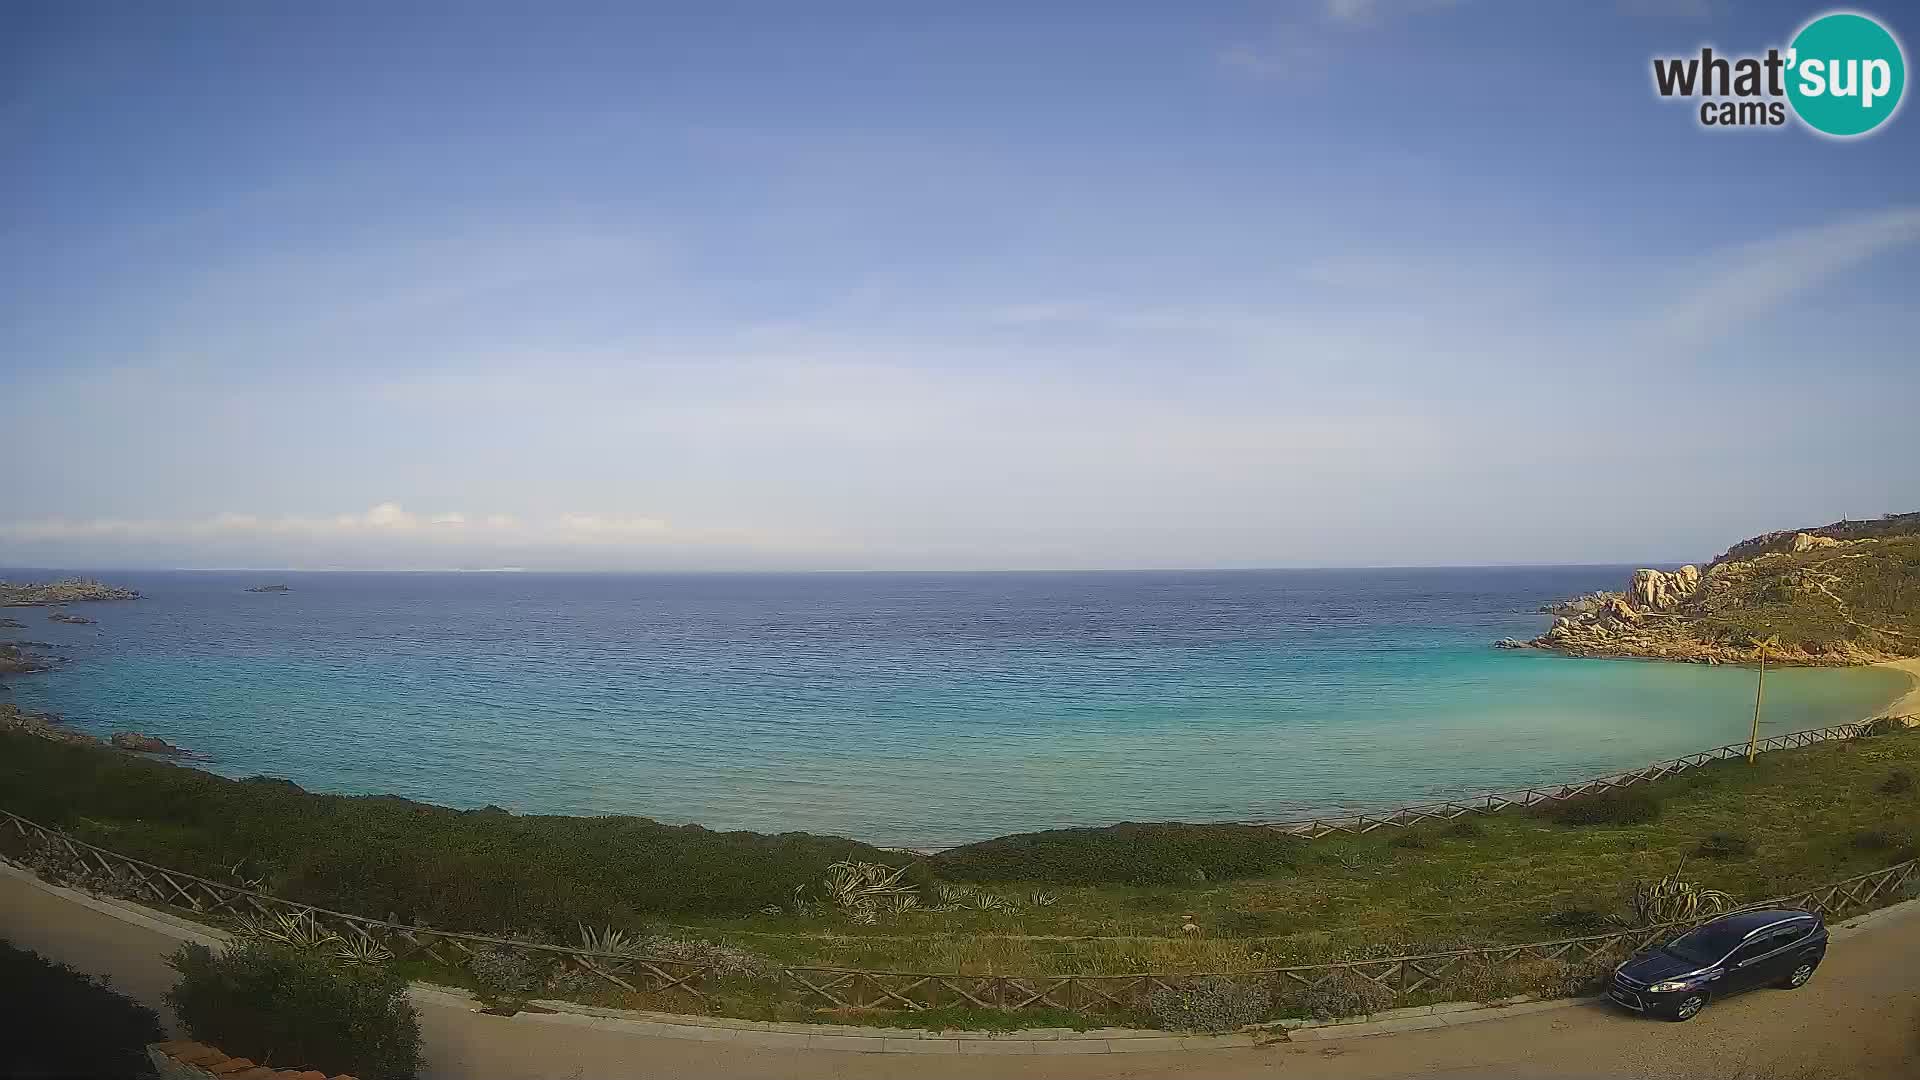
[974,286]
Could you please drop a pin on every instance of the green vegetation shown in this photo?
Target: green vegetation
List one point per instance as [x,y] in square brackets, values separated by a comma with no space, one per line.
[1089,901]
[1723,845]
[288,1008]
[60,1022]
[1619,806]
[471,870]
[1126,854]
[1864,594]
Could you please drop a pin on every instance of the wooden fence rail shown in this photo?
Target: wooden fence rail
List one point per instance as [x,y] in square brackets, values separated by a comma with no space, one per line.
[1402,977]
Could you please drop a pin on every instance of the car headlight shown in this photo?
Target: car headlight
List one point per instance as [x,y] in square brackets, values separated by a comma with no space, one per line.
[1670,987]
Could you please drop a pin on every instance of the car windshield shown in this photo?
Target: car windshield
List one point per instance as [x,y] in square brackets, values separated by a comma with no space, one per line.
[1706,945]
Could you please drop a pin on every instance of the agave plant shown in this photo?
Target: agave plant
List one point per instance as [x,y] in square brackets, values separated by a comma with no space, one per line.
[862,889]
[299,930]
[899,903]
[1043,899]
[952,894]
[1671,900]
[990,902]
[362,950]
[608,941]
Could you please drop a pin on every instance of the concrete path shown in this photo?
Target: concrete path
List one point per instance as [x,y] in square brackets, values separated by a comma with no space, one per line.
[1860,1017]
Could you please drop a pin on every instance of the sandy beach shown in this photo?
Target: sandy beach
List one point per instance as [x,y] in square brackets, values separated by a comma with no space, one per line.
[1907,704]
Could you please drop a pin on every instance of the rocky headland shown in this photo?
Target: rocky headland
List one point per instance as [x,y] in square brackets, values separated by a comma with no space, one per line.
[67,591]
[49,726]
[1846,593]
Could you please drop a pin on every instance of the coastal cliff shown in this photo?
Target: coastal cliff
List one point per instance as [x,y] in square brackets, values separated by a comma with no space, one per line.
[1846,593]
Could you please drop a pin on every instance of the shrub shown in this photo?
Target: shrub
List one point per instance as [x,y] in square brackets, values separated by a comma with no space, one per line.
[1467,828]
[1410,839]
[507,975]
[1577,921]
[56,864]
[1620,806]
[61,1022]
[453,869]
[1476,979]
[1125,854]
[1898,782]
[726,961]
[1341,994]
[1873,839]
[1724,846]
[297,1010]
[1209,1004]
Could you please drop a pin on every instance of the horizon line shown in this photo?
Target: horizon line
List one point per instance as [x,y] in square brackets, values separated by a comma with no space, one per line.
[1650,564]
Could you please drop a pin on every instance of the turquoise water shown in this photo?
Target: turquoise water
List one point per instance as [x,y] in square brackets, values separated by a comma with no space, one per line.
[917,709]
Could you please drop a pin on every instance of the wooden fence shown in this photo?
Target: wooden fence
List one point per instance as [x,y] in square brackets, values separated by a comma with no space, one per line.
[1404,978]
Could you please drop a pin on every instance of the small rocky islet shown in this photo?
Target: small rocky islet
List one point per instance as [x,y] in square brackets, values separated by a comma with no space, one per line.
[270,588]
[1838,594]
[56,593]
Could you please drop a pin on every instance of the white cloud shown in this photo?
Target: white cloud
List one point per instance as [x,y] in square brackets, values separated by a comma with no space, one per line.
[391,520]
[1754,279]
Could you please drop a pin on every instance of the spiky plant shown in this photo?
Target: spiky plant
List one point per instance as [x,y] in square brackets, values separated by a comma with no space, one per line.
[361,950]
[608,941]
[1671,900]
[300,930]
[1043,899]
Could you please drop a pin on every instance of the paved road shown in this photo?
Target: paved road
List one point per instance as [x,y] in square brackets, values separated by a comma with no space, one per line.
[1859,1018]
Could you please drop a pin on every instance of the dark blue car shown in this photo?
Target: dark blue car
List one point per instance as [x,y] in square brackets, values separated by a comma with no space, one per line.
[1768,947]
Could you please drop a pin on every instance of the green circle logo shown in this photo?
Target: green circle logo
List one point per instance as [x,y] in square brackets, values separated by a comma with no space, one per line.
[1845,74]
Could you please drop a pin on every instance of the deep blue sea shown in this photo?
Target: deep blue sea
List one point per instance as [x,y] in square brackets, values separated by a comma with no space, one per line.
[914,709]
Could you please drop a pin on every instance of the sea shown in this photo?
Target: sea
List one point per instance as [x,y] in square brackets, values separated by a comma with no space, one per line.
[909,709]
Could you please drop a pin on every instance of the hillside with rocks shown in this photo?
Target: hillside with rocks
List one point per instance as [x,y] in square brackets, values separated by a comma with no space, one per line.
[1846,593]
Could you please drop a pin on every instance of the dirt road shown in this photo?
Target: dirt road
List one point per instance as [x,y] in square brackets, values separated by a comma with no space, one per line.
[1860,1017]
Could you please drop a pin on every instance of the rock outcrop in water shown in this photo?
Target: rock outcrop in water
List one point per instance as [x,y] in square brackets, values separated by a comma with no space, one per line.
[15,660]
[270,588]
[74,620]
[146,744]
[1838,594]
[40,725]
[68,591]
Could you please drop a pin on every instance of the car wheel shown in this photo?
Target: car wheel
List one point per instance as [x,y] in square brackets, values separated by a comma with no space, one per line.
[1688,1008]
[1798,977]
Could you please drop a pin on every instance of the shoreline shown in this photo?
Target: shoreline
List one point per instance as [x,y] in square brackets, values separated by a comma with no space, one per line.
[1907,704]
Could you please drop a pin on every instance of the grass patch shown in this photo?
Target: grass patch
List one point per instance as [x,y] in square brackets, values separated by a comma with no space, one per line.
[1723,845]
[1256,898]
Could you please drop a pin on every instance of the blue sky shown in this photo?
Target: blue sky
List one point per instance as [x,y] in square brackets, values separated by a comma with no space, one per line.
[1321,282]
